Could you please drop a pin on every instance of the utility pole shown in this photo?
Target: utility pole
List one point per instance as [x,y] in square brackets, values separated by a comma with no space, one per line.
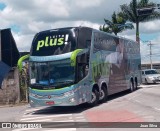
[150,54]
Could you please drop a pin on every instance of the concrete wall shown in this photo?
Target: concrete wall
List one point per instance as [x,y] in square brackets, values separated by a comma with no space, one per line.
[9,91]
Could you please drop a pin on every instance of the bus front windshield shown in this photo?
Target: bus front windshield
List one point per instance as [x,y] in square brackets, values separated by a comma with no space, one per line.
[54,73]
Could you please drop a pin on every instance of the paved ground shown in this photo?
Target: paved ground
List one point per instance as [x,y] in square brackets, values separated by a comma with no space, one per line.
[11,113]
[139,106]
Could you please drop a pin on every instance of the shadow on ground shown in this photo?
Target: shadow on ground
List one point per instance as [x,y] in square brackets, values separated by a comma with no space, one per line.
[75,109]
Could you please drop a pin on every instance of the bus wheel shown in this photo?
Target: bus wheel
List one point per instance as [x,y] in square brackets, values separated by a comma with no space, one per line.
[95,98]
[131,86]
[103,94]
[136,85]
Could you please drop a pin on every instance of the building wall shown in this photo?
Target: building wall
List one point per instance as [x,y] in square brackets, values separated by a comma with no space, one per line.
[9,91]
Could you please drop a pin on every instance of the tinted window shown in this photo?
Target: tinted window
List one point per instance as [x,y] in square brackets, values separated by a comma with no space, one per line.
[84,38]
[151,72]
[105,42]
[54,42]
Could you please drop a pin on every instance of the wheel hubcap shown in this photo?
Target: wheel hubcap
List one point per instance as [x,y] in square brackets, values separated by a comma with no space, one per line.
[131,87]
[93,97]
[102,95]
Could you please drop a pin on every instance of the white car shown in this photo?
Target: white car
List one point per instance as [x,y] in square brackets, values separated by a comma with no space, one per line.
[150,76]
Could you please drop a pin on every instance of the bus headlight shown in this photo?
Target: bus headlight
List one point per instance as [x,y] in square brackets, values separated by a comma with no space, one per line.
[72,100]
[70,93]
[36,95]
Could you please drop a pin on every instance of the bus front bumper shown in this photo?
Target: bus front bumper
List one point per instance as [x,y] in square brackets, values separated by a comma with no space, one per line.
[67,99]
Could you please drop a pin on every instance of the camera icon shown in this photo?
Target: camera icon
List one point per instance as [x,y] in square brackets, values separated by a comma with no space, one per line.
[6,125]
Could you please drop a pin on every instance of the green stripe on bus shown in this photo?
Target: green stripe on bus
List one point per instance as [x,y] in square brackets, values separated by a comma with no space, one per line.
[73,56]
[49,90]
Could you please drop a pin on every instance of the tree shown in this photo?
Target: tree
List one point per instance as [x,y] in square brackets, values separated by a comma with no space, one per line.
[117,25]
[130,13]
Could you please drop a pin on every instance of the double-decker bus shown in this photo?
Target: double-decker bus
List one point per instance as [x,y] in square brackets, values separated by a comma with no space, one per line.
[75,65]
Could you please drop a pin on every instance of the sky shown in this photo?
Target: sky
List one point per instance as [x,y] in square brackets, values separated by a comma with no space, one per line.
[28,17]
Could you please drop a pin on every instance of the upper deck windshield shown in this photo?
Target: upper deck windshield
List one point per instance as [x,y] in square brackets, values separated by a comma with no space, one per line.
[52,74]
[54,42]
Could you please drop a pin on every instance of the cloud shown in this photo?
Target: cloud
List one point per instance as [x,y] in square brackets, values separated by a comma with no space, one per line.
[88,3]
[23,41]
[32,16]
[28,17]
[150,27]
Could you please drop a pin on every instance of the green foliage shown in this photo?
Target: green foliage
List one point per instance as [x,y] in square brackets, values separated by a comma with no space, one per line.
[117,24]
[130,12]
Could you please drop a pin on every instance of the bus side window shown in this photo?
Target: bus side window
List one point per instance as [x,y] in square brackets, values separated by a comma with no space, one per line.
[83,71]
[86,69]
[83,65]
[88,44]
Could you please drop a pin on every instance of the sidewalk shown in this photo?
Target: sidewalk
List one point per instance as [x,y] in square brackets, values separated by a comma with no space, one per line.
[13,105]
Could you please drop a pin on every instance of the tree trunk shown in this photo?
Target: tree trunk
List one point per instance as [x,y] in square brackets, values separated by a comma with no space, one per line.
[137,32]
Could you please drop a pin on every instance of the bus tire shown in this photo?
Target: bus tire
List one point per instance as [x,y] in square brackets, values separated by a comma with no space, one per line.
[104,94]
[95,98]
[136,84]
[131,86]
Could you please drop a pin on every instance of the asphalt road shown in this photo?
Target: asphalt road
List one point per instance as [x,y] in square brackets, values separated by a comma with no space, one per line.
[141,105]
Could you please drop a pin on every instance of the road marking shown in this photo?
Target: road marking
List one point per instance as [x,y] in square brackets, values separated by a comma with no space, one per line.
[80,114]
[81,120]
[79,117]
[43,120]
[42,116]
[49,120]
[70,118]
